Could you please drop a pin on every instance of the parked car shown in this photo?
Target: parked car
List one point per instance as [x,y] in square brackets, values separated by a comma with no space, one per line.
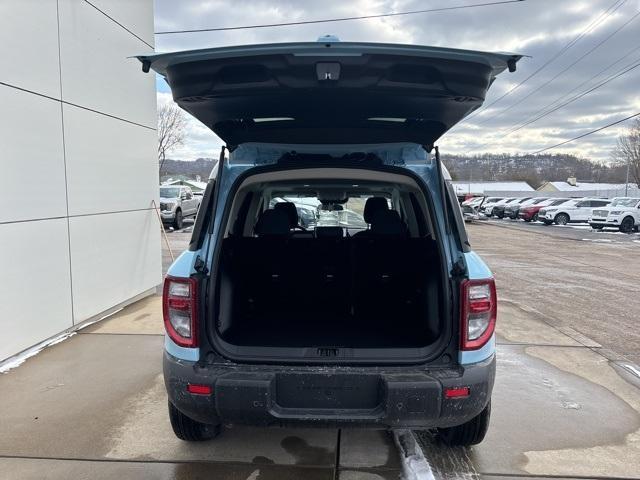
[492,210]
[487,206]
[530,212]
[392,327]
[573,211]
[473,202]
[500,208]
[511,210]
[177,203]
[622,213]
[307,216]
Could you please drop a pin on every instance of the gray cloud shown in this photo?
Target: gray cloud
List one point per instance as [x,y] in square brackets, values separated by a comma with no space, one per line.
[538,28]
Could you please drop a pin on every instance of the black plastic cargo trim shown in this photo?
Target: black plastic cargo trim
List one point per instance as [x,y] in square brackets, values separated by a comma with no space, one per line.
[446,349]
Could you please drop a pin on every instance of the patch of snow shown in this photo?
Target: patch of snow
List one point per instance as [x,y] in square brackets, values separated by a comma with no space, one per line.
[598,240]
[415,466]
[17,360]
[632,368]
[254,475]
[577,227]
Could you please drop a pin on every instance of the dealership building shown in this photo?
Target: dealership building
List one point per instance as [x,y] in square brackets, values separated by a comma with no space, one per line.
[79,236]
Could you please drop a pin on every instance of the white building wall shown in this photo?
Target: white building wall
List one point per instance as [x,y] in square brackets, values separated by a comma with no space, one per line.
[78,165]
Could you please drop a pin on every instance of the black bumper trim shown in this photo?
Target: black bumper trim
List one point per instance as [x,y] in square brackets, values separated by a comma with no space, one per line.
[366,397]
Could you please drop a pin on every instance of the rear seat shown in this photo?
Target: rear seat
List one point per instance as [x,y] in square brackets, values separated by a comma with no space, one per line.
[370,276]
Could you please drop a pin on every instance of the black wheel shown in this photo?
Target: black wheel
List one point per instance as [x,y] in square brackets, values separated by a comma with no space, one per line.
[189,430]
[627,225]
[535,217]
[562,219]
[177,221]
[470,433]
[527,220]
[500,214]
[597,227]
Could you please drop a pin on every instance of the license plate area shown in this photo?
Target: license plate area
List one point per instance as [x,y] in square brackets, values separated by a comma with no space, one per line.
[329,391]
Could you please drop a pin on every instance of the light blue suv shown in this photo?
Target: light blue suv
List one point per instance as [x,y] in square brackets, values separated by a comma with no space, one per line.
[385,323]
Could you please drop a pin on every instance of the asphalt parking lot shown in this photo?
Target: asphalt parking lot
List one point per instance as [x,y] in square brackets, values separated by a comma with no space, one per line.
[566,402]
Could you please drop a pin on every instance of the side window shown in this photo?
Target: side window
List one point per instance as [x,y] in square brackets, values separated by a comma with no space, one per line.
[600,203]
[584,204]
[189,193]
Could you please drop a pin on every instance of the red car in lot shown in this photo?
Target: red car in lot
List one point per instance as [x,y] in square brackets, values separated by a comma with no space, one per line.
[530,212]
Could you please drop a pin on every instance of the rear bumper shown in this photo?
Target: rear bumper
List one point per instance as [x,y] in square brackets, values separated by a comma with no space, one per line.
[329,396]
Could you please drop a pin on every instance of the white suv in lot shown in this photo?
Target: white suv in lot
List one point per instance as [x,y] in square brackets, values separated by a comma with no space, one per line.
[573,211]
[623,213]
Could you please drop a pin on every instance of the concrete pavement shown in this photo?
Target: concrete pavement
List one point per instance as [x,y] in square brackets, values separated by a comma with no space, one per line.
[94,406]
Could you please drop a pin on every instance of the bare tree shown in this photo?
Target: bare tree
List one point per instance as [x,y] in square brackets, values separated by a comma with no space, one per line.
[627,150]
[172,123]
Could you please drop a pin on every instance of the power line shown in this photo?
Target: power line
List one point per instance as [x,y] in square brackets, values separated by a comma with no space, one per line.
[586,134]
[609,11]
[564,70]
[535,116]
[340,19]
[624,71]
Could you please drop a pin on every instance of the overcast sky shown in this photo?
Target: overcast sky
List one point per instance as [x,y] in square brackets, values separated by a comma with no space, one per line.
[538,28]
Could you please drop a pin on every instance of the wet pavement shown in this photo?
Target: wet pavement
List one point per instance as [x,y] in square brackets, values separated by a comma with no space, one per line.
[564,405]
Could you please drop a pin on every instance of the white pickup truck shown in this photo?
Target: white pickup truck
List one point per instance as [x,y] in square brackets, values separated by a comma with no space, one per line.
[622,213]
[177,202]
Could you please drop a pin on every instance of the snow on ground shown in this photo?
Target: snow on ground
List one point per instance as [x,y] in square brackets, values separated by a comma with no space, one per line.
[17,360]
[415,466]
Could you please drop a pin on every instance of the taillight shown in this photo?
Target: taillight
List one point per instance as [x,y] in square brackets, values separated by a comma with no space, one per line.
[180,310]
[477,313]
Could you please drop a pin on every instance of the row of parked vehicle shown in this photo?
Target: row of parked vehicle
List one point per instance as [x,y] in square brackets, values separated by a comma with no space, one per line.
[622,213]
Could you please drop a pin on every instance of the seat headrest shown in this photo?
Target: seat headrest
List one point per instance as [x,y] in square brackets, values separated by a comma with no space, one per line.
[329,232]
[388,222]
[272,223]
[374,205]
[291,211]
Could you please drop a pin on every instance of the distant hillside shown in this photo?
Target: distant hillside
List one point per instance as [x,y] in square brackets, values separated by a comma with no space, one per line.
[534,169]
[187,169]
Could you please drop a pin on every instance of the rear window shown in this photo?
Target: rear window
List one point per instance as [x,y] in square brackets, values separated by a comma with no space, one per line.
[347,213]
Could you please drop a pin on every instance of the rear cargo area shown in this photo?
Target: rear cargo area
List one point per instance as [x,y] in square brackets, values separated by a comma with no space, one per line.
[329,292]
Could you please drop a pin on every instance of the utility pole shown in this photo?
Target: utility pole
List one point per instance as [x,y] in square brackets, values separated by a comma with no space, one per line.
[626,185]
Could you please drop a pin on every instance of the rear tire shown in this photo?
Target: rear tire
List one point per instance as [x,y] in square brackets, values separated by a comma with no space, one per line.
[190,430]
[547,222]
[597,227]
[177,221]
[470,433]
[535,217]
[627,225]
[562,219]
